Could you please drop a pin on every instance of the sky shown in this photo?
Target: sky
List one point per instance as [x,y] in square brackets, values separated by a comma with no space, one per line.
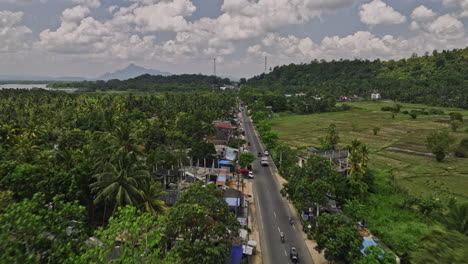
[87,38]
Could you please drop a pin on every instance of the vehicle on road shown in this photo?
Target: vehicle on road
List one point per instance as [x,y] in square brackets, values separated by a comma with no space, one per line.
[259,154]
[282,237]
[264,161]
[251,175]
[294,255]
[266,153]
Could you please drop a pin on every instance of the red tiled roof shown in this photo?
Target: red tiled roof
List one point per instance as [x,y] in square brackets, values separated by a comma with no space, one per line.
[223,126]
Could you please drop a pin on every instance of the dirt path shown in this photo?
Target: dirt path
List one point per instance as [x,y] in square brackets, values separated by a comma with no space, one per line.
[410,151]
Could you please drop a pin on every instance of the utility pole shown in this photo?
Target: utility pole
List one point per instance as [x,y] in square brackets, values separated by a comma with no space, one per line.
[265,65]
[214,66]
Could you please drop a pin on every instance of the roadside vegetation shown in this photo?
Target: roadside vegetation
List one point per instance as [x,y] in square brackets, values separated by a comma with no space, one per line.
[402,195]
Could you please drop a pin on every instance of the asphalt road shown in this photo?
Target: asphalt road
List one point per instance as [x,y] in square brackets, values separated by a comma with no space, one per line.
[272,211]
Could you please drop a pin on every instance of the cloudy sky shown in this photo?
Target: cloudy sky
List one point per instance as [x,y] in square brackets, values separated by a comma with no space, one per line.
[90,37]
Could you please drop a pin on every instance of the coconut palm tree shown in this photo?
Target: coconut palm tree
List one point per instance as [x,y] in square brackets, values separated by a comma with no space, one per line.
[152,192]
[355,145]
[120,182]
[364,151]
[355,160]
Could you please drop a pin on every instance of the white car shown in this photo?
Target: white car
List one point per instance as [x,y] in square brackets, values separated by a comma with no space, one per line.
[251,175]
[266,153]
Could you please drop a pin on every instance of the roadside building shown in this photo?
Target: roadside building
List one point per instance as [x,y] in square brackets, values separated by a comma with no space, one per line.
[375,96]
[339,157]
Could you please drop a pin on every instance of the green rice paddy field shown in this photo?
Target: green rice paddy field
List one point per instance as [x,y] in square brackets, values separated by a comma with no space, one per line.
[422,176]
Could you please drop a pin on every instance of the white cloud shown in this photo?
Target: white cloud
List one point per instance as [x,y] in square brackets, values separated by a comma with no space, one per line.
[240,36]
[75,14]
[13,37]
[361,44]
[422,13]
[377,12]
[112,8]
[447,27]
[414,26]
[163,16]
[88,3]
[153,17]
[22,1]
[243,19]
[461,5]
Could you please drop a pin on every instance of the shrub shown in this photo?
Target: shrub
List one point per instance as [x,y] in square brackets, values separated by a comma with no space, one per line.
[376,130]
[455,124]
[436,112]
[438,143]
[456,116]
[395,109]
[462,150]
[405,112]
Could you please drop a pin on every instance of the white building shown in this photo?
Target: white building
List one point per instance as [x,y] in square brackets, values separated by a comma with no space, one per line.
[376,96]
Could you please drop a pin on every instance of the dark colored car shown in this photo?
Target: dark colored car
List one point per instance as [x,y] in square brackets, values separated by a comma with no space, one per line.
[259,154]
[294,255]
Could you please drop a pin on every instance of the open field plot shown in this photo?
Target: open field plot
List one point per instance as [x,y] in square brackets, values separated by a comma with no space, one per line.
[422,176]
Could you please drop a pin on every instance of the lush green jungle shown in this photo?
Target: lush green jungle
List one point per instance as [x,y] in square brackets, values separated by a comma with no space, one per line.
[440,78]
[74,166]
[150,83]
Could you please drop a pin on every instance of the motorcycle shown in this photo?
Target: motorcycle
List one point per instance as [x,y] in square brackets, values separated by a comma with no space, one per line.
[282,237]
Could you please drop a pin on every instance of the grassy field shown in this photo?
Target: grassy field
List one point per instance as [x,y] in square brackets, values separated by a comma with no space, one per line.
[422,176]
[400,227]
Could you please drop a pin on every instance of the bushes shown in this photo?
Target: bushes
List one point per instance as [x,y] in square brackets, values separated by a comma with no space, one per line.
[395,109]
[462,150]
[456,116]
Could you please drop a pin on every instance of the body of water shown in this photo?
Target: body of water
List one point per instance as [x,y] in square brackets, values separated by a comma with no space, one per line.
[32,86]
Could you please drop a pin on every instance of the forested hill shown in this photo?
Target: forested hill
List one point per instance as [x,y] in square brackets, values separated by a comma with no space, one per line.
[146,82]
[440,78]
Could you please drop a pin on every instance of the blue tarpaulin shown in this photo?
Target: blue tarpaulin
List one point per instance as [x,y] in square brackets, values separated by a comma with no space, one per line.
[232,201]
[236,255]
[225,162]
[367,243]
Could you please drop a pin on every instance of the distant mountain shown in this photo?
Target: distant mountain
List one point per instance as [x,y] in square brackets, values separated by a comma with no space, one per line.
[38,78]
[131,71]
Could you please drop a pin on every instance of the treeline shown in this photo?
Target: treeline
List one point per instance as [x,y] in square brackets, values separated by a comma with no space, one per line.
[77,165]
[438,79]
[23,82]
[153,83]
[259,99]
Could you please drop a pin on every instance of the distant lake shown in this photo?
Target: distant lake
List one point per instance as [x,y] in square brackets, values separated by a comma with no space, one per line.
[31,86]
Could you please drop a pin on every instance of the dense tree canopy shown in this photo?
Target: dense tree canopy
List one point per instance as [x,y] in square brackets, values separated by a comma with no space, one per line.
[89,154]
[438,79]
[154,83]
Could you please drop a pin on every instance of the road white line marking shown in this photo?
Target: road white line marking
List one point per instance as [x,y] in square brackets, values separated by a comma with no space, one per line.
[294,228]
[279,230]
[260,213]
[274,214]
[285,253]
